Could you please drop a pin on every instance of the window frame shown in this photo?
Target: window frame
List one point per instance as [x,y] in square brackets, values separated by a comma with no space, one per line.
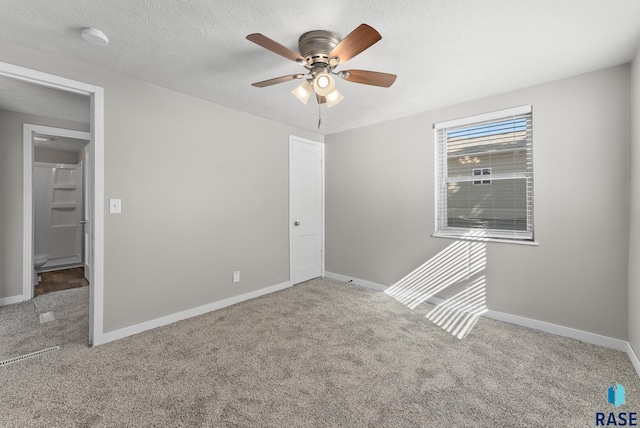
[442,229]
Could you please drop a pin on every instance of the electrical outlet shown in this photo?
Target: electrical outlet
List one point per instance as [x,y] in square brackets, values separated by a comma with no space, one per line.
[236,276]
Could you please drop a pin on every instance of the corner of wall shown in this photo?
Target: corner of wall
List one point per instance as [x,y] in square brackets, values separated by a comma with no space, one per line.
[633,290]
[633,357]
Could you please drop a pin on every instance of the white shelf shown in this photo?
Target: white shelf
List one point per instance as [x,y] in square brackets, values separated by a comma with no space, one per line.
[65,186]
[64,207]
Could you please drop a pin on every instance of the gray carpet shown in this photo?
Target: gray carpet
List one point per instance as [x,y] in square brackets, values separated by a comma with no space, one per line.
[22,332]
[319,354]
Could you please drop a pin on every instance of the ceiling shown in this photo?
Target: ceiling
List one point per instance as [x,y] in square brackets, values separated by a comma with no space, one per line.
[56,142]
[23,97]
[444,51]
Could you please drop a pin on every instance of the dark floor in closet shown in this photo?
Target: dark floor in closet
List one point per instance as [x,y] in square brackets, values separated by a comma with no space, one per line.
[57,280]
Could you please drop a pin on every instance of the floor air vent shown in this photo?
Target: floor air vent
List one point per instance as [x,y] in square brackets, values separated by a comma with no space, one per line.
[27,356]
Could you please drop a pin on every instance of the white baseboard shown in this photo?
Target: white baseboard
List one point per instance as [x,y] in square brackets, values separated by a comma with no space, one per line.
[11,300]
[585,336]
[559,330]
[189,313]
[357,281]
[633,357]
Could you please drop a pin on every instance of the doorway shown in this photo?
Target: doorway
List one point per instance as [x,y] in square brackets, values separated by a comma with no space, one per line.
[57,194]
[306,209]
[96,204]
[60,191]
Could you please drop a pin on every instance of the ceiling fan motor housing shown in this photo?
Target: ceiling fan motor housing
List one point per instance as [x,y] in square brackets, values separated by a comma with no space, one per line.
[315,46]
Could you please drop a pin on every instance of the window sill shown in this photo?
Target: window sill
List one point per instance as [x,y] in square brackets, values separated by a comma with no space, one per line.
[484,239]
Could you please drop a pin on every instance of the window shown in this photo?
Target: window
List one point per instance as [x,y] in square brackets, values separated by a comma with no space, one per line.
[480,172]
[484,168]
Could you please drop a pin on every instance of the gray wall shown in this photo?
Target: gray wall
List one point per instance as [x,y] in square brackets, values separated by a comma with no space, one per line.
[634,245]
[380,203]
[204,192]
[11,146]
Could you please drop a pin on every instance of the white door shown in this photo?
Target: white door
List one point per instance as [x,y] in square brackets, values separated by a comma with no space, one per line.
[306,184]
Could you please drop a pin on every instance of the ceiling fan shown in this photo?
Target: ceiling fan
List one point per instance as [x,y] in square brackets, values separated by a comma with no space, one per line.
[320,53]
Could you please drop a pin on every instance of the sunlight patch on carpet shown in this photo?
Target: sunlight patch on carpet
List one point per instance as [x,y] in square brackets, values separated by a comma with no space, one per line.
[460,312]
[460,265]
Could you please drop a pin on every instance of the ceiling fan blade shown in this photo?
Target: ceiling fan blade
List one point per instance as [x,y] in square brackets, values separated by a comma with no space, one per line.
[273,46]
[277,80]
[366,77]
[358,40]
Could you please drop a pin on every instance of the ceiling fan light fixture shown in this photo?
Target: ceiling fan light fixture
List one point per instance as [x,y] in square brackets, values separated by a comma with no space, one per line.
[324,84]
[320,52]
[334,98]
[303,92]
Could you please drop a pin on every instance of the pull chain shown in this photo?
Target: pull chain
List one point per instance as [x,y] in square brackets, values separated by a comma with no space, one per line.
[319,115]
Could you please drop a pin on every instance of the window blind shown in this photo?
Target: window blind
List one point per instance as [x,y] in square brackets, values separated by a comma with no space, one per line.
[484,167]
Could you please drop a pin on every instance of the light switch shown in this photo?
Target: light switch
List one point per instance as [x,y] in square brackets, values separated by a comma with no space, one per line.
[115,206]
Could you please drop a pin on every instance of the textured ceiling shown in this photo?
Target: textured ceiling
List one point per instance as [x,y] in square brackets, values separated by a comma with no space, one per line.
[22,97]
[443,51]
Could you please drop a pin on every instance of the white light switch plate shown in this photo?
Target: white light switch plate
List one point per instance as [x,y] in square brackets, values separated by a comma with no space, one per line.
[115,206]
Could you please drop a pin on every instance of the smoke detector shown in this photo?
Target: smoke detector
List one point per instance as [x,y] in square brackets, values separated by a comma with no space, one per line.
[95,37]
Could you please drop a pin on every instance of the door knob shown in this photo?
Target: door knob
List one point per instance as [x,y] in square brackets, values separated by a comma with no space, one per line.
[83,221]
[296,223]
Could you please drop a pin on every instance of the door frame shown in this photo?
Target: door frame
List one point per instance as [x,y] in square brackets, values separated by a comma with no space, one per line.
[96,142]
[28,130]
[292,140]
